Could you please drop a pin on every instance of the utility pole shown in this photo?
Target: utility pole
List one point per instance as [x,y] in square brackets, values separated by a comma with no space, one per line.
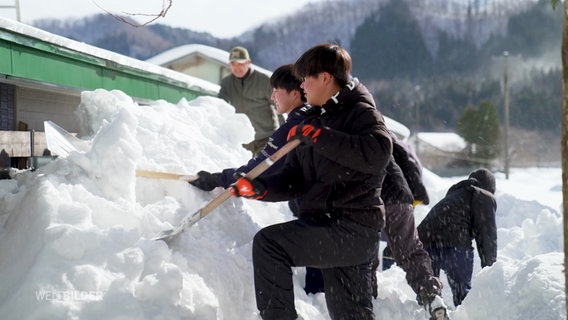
[417,141]
[506,107]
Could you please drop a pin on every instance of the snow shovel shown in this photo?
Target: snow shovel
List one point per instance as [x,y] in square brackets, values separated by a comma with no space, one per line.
[192,218]
[62,143]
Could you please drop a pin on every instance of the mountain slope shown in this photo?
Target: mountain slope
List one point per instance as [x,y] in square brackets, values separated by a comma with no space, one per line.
[280,41]
[449,57]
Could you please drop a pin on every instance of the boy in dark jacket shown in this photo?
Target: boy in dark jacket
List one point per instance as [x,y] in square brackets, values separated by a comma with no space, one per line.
[289,98]
[467,212]
[338,171]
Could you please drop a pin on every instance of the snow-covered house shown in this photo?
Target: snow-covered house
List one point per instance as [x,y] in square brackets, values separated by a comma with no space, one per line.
[198,60]
[42,76]
[438,150]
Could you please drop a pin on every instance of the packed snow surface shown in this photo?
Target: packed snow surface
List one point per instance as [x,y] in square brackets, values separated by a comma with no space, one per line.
[75,233]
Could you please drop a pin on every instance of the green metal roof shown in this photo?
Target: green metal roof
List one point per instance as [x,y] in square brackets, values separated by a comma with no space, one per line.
[35,55]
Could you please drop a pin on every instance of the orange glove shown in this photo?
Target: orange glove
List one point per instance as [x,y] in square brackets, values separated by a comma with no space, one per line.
[246,188]
[307,133]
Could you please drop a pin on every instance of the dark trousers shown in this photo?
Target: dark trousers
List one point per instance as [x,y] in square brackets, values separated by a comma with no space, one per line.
[388,258]
[314,281]
[457,263]
[342,249]
[404,247]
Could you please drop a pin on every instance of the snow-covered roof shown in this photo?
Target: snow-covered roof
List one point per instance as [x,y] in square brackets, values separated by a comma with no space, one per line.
[175,53]
[24,29]
[446,141]
[397,127]
[219,55]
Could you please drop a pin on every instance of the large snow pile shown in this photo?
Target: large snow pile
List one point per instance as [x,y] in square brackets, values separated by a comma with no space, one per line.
[74,237]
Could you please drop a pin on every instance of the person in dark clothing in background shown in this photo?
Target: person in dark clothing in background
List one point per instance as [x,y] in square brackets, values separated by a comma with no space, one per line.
[402,188]
[467,212]
[338,170]
[398,194]
[401,228]
[249,92]
[289,98]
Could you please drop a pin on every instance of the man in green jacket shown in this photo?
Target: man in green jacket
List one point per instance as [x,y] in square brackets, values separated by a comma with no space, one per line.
[249,91]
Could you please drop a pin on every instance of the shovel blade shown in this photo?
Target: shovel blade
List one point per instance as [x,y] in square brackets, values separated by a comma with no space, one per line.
[186,222]
[61,142]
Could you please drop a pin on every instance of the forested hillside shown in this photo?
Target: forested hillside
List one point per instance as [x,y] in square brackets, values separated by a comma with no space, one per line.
[405,73]
[435,57]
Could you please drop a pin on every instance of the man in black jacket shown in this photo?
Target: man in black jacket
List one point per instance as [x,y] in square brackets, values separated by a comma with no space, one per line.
[338,171]
[467,212]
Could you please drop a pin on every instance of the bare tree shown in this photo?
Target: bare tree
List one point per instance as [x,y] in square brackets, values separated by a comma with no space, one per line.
[166,5]
[564,147]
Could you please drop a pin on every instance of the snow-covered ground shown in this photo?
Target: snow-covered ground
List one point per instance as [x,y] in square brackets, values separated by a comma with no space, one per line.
[74,234]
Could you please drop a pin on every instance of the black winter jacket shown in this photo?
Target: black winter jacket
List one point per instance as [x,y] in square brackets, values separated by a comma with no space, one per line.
[395,189]
[340,175]
[411,168]
[403,181]
[467,212]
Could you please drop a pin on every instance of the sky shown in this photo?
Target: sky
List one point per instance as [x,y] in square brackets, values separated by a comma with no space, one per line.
[221,18]
[75,234]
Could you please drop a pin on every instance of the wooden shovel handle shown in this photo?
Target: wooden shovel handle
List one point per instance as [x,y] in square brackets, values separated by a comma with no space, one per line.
[165,175]
[255,172]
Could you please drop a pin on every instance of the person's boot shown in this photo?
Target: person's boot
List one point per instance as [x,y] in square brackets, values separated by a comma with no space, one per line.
[436,308]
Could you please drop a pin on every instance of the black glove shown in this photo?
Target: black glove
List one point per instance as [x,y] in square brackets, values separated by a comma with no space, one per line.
[207,181]
[307,133]
[246,188]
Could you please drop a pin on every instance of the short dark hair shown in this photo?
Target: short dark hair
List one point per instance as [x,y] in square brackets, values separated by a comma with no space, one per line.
[325,57]
[283,77]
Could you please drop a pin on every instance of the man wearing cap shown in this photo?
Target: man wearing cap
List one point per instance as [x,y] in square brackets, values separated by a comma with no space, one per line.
[249,91]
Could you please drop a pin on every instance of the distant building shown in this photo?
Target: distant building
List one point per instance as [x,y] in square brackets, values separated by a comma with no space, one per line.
[42,76]
[198,60]
[401,131]
[440,152]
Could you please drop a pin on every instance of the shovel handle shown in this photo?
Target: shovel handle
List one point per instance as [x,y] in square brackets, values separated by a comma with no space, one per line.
[190,219]
[252,174]
[165,175]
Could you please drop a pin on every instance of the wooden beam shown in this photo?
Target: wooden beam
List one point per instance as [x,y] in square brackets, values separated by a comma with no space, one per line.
[18,144]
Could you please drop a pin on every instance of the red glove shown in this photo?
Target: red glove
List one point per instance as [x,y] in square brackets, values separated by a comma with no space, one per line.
[246,188]
[307,133]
